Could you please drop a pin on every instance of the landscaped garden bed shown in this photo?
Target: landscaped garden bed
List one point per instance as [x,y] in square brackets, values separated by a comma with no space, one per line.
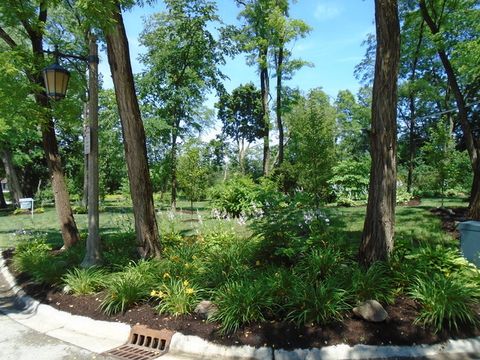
[284,284]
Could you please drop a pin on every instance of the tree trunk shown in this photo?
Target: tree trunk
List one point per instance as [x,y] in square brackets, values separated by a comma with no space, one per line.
[68,227]
[265,90]
[474,206]
[411,137]
[473,146]
[12,177]
[3,203]
[133,138]
[378,231]
[174,170]
[411,144]
[279,106]
[92,254]
[62,199]
[85,159]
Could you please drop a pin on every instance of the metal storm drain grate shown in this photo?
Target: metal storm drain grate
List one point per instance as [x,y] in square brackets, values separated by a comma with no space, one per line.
[143,344]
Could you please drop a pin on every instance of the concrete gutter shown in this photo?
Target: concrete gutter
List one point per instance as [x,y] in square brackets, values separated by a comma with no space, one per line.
[99,336]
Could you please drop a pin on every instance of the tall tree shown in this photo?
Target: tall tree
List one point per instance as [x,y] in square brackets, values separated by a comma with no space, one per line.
[182,61]
[283,30]
[254,38]
[434,13]
[241,115]
[378,230]
[133,136]
[33,19]
[311,146]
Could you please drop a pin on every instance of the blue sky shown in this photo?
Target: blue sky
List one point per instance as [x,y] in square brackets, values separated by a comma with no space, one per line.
[333,46]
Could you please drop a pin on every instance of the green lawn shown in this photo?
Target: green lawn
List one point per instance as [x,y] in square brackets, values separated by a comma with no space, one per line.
[116,216]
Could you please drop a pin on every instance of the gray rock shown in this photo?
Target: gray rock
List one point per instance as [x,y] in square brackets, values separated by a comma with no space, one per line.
[206,309]
[67,289]
[371,310]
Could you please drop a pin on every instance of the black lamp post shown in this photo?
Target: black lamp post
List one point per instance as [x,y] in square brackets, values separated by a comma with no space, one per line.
[56,81]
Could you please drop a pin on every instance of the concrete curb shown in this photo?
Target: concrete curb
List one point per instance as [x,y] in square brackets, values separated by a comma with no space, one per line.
[99,336]
[93,335]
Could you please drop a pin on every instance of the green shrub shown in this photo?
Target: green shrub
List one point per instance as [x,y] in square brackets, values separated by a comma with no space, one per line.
[85,281]
[291,227]
[177,297]
[446,301]
[78,209]
[241,302]
[429,260]
[375,283]
[318,303]
[236,196]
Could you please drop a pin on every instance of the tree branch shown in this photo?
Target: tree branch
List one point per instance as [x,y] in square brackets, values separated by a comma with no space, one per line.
[7,38]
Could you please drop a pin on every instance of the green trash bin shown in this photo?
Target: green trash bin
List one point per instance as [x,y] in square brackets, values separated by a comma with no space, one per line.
[470,241]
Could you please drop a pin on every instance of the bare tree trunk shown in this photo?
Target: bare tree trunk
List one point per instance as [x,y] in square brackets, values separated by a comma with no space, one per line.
[3,203]
[92,255]
[378,230]
[133,138]
[474,206]
[279,106]
[265,90]
[85,159]
[174,170]
[411,137]
[473,145]
[12,177]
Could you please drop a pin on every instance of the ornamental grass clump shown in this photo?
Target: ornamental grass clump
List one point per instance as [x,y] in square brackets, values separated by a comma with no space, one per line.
[375,283]
[241,302]
[317,303]
[85,281]
[447,301]
[176,297]
[130,286]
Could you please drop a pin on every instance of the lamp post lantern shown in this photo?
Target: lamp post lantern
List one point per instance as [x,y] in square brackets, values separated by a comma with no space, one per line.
[56,81]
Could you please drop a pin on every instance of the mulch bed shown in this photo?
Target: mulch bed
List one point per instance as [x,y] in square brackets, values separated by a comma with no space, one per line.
[398,329]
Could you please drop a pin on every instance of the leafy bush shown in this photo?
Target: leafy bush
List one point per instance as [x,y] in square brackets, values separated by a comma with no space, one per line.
[429,260]
[85,281]
[236,196]
[241,302]
[33,257]
[350,181]
[291,227]
[177,297]
[318,303]
[446,301]
[78,209]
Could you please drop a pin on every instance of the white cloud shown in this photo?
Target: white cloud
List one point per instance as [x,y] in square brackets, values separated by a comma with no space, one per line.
[327,10]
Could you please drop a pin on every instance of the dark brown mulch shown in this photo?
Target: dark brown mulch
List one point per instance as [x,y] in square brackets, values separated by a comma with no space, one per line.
[450,218]
[398,329]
